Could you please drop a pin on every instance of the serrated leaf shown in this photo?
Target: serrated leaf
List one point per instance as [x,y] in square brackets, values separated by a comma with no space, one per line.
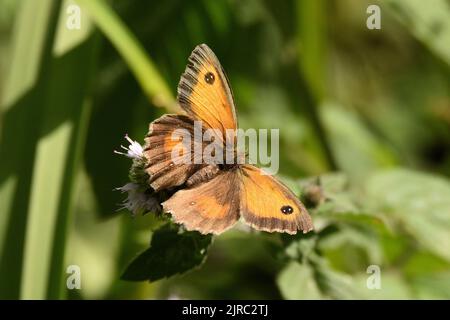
[299,247]
[349,239]
[296,281]
[334,284]
[171,252]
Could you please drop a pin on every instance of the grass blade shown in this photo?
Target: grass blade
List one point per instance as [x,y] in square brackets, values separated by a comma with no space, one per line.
[21,107]
[152,83]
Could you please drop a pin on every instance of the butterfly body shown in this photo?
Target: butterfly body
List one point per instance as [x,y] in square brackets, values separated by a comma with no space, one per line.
[212,196]
[203,175]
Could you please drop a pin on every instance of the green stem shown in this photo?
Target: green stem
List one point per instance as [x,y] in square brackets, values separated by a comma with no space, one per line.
[146,73]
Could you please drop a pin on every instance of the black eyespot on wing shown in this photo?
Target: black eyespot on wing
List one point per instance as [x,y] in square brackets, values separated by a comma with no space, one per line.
[210,78]
[287,209]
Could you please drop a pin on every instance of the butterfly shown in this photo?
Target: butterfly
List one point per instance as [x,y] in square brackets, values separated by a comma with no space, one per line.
[210,197]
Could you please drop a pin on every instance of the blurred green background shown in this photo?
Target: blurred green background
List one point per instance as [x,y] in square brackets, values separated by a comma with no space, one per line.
[367,110]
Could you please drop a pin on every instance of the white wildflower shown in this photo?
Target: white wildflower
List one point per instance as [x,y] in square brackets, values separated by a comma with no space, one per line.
[138,201]
[133,151]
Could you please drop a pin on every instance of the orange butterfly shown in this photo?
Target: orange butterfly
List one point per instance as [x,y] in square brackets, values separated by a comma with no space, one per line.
[214,196]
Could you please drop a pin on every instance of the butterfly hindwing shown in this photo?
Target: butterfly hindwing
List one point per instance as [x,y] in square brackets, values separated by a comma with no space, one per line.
[268,205]
[209,207]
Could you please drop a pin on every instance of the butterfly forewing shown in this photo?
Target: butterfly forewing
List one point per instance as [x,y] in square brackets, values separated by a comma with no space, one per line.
[165,167]
[204,92]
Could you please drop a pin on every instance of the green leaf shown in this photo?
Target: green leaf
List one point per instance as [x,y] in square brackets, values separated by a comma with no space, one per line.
[357,150]
[329,194]
[428,275]
[392,286]
[296,281]
[428,23]
[171,252]
[346,245]
[334,200]
[432,286]
[300,246]
[418,202]
[335,284]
